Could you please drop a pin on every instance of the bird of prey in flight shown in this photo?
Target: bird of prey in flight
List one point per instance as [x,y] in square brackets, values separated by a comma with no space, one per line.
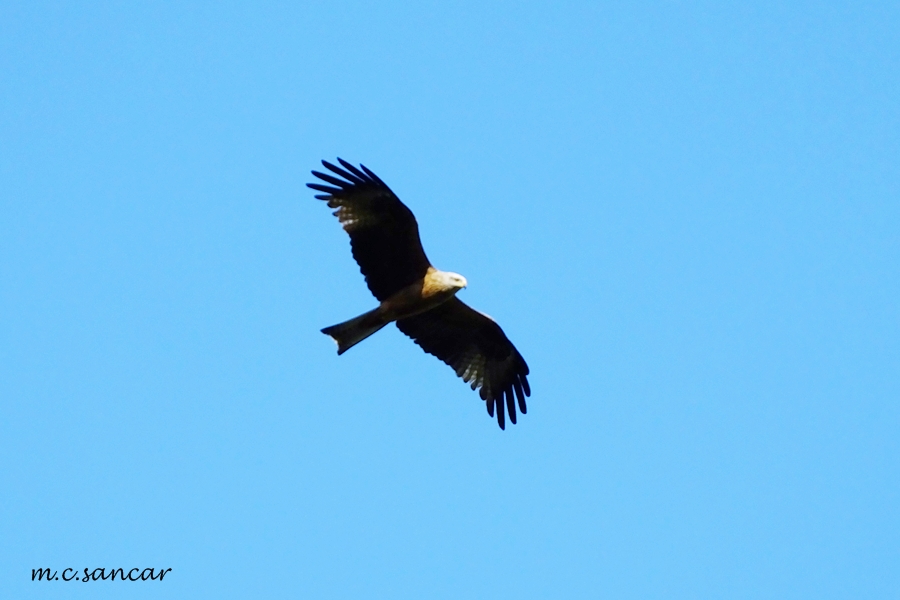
[421,300]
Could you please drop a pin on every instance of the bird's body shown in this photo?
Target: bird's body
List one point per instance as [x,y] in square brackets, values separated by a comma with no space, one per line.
[420,296]
[433,289]
[421,299]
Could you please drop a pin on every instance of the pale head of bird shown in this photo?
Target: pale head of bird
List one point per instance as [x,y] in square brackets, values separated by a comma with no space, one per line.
[453,281]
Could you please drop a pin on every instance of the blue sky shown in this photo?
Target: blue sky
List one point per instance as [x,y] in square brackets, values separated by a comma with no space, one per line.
[685,215]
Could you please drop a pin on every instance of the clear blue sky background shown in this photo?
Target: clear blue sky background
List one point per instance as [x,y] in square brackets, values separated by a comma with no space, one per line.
[685,215]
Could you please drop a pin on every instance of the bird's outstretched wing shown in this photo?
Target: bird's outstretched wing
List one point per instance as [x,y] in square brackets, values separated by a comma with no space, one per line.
[478,350]
[384,235]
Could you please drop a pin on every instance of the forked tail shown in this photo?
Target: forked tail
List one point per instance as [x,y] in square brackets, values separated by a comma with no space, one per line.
[349,333]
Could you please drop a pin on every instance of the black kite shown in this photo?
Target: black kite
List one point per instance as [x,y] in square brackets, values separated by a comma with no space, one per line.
[384,239]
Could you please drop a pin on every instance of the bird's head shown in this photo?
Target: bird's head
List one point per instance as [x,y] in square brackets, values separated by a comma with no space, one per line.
[454,281]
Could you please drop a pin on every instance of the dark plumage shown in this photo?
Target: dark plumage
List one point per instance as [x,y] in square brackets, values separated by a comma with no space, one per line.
[384,239]
[384,235]
[477,349]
